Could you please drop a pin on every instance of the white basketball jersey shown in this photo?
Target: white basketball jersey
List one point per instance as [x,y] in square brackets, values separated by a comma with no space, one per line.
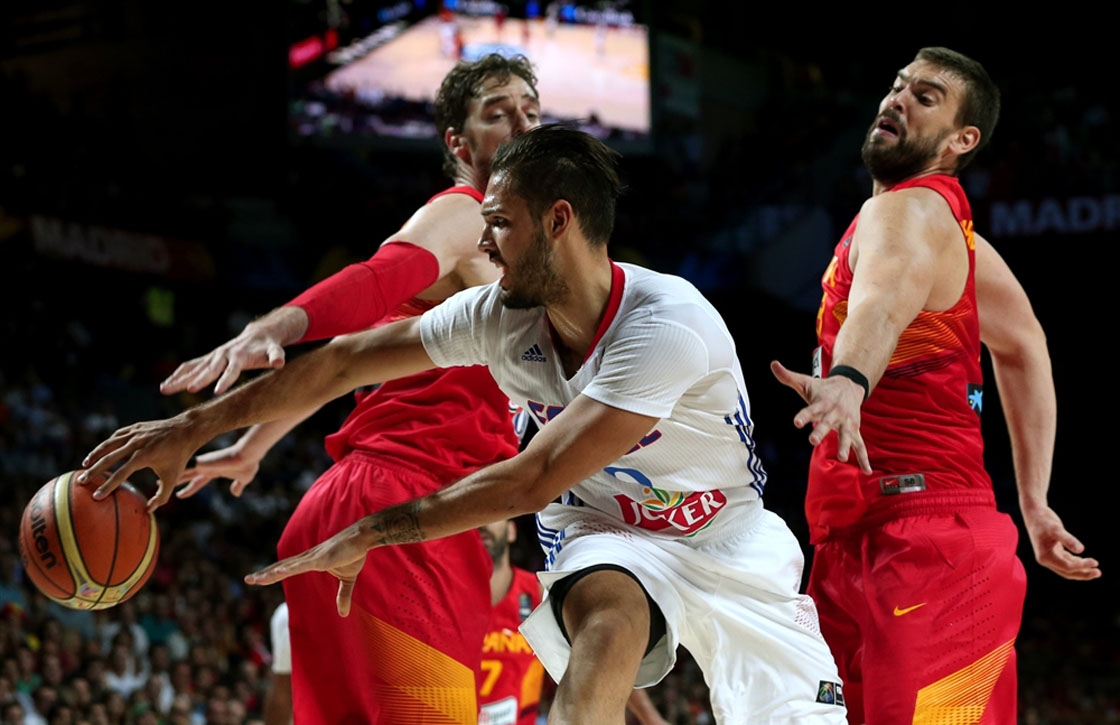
[662,350]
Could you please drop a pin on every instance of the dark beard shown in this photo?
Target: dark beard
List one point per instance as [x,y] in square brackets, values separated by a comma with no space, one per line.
[890,165]
[538,282]
[497,549]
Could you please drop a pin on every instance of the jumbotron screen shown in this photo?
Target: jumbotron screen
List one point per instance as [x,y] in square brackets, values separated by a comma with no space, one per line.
[367,72]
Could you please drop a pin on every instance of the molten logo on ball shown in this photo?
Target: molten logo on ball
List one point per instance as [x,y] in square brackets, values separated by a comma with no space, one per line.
[38,526]
[87,554]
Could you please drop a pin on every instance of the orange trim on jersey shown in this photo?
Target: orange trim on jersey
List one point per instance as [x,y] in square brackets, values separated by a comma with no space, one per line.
[931,334]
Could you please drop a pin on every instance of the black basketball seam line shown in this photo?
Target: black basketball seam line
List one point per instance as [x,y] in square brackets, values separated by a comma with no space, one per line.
[116,541]
[60,551]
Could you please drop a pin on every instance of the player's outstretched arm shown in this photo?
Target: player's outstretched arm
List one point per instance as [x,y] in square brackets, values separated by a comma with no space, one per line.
[1024,377]
[434,246]
[346,363]
[584,438]
[898,252]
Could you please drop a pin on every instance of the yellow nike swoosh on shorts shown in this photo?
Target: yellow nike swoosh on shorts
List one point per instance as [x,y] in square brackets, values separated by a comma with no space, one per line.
[899,612]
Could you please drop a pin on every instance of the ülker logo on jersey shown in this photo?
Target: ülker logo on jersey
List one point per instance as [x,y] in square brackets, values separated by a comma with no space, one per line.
[662,510]
[533,354]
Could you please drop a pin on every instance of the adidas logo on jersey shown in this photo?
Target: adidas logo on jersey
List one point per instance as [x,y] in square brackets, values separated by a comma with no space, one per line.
[533,354]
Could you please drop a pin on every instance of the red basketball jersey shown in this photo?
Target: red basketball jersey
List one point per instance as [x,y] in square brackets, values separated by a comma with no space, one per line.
[921,424]
[449,421]
[509,686]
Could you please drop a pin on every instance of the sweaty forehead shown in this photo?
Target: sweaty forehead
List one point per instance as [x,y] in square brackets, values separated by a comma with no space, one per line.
[498,196]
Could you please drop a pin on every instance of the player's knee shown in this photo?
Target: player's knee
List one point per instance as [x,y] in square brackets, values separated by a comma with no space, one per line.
[613,626]
[606,605]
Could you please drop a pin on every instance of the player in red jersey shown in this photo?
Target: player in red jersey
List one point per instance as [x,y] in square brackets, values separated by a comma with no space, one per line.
[407,653]
[915,573]
[511,678]
[509,683]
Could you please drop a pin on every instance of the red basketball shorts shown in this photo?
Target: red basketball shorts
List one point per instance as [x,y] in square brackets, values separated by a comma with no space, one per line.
[922,615]
[410,650]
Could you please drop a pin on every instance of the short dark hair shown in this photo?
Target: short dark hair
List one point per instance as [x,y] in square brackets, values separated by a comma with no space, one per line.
[980,105]
[464,82]
[554,162]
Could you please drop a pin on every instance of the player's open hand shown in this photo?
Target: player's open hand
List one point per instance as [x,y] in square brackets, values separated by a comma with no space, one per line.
[165,446]
[253,349]
[232,462]
[1057,549]
[341,556]
[833,406]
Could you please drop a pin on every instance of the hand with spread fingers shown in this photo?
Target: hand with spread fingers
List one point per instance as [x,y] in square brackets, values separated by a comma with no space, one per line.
[260,345]
[833,406]
[165,446]
[341,556]
[237,463]
[1055,548]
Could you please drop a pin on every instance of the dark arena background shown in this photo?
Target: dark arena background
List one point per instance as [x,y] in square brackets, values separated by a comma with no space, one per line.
[167,172]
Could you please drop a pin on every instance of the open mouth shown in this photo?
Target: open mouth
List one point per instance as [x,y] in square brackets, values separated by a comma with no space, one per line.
[888,127]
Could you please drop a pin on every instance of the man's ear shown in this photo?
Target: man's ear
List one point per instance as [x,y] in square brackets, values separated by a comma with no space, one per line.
[965,140]
[559,217]
[457,144]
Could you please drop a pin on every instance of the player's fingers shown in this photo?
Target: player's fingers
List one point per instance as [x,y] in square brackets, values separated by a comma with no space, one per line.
[861,455]
[843,444]
[790,379]
[238,487]
[228,378]
[163,494]
[112,479]
[195,484]
[188,474]
[213,463]
[345,593]
[205,371]
[1061,556]
[280,570]
[275,356]
[820,430]
[99,464]
[1071,542]
[1073,567]
[177,381]
[109,448]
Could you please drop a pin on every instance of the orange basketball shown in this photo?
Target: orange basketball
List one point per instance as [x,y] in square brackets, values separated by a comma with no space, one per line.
[87,554]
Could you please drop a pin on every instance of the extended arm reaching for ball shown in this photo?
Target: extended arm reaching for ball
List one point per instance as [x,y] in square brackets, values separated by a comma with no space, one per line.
[166,446]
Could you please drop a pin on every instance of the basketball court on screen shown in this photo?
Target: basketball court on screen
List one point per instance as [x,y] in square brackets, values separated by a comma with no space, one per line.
[583,70]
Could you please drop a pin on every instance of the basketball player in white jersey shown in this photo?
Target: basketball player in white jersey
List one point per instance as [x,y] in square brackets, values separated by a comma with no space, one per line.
[644,471]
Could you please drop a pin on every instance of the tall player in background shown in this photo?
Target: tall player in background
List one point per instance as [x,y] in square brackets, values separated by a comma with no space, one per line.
[915,572]
[511,679]
[427,603]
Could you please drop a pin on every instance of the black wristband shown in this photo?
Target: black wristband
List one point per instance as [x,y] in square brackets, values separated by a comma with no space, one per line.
[849,372]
